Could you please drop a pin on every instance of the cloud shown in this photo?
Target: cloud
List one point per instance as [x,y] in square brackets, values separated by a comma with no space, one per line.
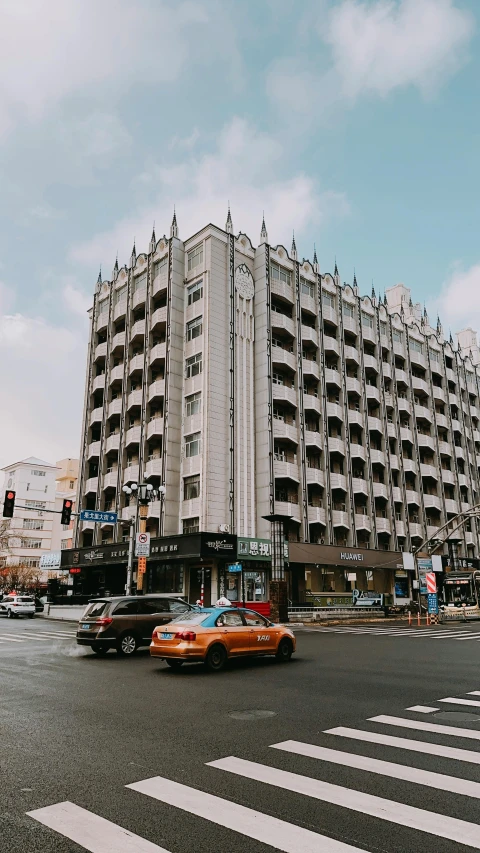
[247,169]
[459,302]
[76,301]
[376,48]
[101,50]
[41,390]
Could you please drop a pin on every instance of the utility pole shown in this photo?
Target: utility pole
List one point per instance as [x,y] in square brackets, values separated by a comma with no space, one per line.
[128,587]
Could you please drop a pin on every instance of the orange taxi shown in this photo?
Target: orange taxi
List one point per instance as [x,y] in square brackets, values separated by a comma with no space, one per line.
[215,634]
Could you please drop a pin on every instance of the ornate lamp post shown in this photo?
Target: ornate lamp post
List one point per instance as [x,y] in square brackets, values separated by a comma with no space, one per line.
[278,583]
[144,494]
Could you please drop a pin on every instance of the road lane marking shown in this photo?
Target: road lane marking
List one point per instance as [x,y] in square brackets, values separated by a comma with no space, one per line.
[269,830]
[91,831]
[422,709]
[451,700]
[433,823]
[10,638]
[467,755]
[440,781]
[420,726]
[473,693]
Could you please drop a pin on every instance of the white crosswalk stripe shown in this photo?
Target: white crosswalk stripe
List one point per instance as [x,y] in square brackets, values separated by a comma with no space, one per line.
[97,835]
[24,636]
[430,633]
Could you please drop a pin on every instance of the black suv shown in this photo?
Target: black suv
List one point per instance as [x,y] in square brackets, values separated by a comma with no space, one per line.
[126,622]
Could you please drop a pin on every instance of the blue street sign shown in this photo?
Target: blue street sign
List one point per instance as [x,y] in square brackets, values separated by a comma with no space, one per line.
[432,602]
[98,517]
[234,567]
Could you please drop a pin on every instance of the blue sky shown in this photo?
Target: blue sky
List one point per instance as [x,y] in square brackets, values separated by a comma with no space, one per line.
[354,123]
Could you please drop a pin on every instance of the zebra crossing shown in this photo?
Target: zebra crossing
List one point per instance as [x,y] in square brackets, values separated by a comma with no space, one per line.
[28,636]
[429,633]
[94,833]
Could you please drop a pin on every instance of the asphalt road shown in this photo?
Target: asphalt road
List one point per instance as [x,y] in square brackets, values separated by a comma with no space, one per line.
[76,728]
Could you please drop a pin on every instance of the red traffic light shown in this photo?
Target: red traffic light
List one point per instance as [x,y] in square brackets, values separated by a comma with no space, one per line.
[9,503]
[10,495]
[66,511]
[67,504]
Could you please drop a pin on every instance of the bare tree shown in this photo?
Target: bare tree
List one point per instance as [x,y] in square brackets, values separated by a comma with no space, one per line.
[18,577]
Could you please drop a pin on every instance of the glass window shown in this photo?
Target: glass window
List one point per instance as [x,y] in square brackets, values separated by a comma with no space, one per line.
[280,274]
[191,525]
[415,345]
[120,294]
[383,328]
[33,524]
[348,310]
[193,618]
[194,292]
[165,577]
[195,257]
[153,605]
[193,444]
[229,620]
[37,473]
[95,609]
[140,281]
[191,487]
[397,336]
[435,356]
[178,606]
[367,320]
[306,287]
[125,608]
[193,404]
[252,618]
[278,379]
[193,365]
[194,329]
[160,266]
[328,299]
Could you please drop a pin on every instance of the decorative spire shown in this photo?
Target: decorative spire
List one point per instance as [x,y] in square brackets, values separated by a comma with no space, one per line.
[439,326]
[410,303]
[133,256]
[451,339]
[99,279]
[174,226]
[294,247]
[315,259]
[263,232]
[373,291]
[355,279]
[153,240]
[335,272]
[229,223]
[115,269]
[385,300]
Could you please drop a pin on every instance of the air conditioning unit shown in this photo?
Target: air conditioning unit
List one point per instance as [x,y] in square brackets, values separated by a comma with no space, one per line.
[321,540]
[224,528]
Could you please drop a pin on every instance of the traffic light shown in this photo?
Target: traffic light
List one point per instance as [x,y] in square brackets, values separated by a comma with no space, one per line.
[66,511]
[9,504]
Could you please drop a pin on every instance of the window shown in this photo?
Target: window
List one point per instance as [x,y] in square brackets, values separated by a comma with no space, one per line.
[120,294]
[435,356]
[254,618]
[36,504]
[125,608]
[153,605]
[191,525]
[193,444]
[32,524]
[31,543]
[348,310]
[415,345]
[194,329]
[280,274]
[397,336]
[367,320]
[37,473]
[195,292]
[140,281]
[328,299]
[191,487]
[193,365]
[193,404]
[278,414]
[278,379]
[383,328]
[306,287]
[178,606]
[229,620]
[64,545]
[160,266]
[72,484]
[195,257]
[31,562]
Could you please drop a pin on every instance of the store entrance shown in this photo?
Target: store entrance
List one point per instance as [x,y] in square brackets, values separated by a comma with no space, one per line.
[196,585]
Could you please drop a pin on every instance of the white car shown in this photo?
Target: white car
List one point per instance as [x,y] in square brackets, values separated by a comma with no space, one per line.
[18,605]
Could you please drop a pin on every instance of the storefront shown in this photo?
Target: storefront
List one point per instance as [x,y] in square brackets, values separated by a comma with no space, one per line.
[329,576]
[177,564]
[245,581]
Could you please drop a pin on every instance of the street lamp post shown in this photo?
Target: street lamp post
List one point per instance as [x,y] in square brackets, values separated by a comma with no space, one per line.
[144,494]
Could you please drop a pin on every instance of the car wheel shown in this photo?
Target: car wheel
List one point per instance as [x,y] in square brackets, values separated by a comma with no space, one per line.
[284,650]
[216,658]
[128,645]
[174,664]
[31,615]
[9,614]
[100,650]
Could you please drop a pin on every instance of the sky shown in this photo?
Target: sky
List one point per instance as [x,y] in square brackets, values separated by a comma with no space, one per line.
[353,123]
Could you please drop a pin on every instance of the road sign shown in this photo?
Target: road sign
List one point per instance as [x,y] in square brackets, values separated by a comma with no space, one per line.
[142,545]
[142,565]
[431,581]
[98,517]
[432,602]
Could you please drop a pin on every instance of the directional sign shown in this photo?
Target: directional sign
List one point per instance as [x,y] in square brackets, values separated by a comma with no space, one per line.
[142,545]
[98,517]
[432,602]
[431,582]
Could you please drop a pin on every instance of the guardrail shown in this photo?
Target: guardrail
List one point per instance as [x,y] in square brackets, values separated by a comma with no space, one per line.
[312,614]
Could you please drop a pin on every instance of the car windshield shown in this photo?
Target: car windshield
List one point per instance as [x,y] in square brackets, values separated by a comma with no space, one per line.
[192,618]
[95,609]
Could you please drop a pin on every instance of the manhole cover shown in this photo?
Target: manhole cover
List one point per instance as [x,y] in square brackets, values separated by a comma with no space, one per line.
[251,715]
[457,716]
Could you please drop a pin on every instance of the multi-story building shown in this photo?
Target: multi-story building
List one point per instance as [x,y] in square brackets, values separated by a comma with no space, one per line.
[249,382]
[35,529]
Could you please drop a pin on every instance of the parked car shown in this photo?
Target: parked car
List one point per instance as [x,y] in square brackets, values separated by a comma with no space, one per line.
[218,633]
[125,622]
[18,605]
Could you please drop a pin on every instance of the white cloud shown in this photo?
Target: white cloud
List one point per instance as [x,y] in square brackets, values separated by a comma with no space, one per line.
[75,300]
[247,169]
[375,48]
[100,49]
[42,389]
[459,302]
